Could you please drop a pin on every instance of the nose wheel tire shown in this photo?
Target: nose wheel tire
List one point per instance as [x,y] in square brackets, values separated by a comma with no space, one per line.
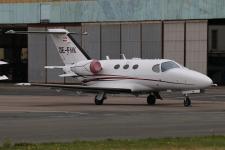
[99,99]
[187,102]
[98,102]
[151,100]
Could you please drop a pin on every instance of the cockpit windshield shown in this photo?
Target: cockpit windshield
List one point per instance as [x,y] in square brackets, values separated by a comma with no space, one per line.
[168,65]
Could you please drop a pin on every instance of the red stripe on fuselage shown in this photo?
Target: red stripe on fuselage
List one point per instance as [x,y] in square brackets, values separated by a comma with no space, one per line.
[116,77]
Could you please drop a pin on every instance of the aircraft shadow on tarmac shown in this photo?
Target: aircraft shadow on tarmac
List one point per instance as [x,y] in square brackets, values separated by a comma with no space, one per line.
[110,104]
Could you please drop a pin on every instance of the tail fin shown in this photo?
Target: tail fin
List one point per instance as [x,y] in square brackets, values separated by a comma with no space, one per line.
[69,50]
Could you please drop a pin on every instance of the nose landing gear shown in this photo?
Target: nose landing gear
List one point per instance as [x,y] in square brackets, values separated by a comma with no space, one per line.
[187,101]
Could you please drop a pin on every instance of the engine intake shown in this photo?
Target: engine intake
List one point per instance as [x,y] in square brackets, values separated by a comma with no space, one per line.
[89,67]
[95,66]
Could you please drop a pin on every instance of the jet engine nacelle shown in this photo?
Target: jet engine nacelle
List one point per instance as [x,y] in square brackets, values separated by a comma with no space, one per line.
[90,67]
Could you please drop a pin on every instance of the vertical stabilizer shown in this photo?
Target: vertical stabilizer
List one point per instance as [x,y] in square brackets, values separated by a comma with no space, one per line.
[69,50]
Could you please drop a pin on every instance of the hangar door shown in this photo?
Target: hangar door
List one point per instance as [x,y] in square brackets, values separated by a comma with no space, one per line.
[216,51]
[13,49]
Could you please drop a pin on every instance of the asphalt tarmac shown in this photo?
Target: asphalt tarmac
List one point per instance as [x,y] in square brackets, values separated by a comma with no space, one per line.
[35,114]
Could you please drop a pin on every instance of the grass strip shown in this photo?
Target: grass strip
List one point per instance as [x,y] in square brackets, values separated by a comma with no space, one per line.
[187,143]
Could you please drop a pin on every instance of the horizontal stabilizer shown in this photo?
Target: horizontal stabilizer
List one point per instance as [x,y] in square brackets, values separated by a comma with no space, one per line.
[54,67]
[4,77]
[39,32]
[52,31]
[69,75]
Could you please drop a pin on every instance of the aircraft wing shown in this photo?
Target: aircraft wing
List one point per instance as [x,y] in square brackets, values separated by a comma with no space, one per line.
[86,88]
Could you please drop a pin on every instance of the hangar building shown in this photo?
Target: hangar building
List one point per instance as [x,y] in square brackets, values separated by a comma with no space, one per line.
[191,32]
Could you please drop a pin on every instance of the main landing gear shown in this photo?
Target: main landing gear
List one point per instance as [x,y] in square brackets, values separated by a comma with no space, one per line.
[151,99]
[99,98]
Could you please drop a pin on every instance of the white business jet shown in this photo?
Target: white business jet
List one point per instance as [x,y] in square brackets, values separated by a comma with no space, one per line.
[3,77]
[135,76]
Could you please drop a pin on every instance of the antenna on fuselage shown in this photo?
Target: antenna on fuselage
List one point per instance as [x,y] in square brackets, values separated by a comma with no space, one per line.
[107,57]
[123,56]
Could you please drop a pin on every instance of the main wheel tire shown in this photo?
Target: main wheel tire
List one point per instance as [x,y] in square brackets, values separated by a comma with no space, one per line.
[151,100]
[187,102]
[98,102]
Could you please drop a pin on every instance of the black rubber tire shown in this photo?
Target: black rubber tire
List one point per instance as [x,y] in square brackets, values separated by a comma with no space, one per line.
[98,102]
[187,102]
[151,99]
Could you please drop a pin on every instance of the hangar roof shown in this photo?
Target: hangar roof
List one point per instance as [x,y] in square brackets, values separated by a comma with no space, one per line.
[59,11]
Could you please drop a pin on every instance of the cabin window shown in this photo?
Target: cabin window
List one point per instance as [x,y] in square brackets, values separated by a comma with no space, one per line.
[168,65]
[117,66]
[156,68]
[126,66]
[135,66]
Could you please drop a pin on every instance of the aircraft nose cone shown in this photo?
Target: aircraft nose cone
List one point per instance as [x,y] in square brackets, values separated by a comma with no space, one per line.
[206,81]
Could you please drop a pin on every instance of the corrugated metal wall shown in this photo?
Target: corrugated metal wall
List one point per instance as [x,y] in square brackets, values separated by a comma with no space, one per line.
[34,1]
[110,10]
[91,42]
[174,40]
[151,40]
[196,45]
[19,13]
[131,40]
[110,41]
